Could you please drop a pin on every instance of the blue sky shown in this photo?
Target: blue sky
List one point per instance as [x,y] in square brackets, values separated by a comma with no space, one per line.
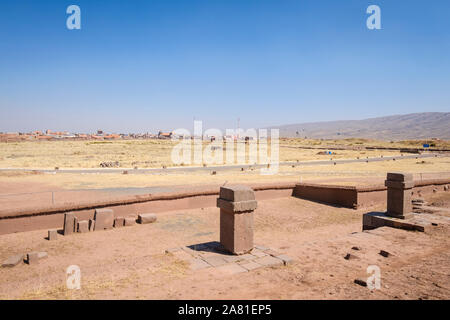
[139,66]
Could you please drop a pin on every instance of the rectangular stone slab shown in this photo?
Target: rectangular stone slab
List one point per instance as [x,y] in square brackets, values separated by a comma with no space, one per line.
[241,206]
[119,222]
[69,223]
[373,220]
[52,234]
[145,218]
[396,176]
[13,261]
[104,219]
[130,221]
[237,193]
[83,226]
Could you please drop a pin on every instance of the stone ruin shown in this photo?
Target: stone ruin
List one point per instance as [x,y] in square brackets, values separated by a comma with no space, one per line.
[237,204]
[399,213]
[236,251]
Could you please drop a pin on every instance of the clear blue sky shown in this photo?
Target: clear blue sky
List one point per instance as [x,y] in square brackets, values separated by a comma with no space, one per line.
[148,65]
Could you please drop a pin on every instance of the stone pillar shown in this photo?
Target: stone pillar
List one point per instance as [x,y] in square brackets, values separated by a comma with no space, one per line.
[399,187]
[236,204]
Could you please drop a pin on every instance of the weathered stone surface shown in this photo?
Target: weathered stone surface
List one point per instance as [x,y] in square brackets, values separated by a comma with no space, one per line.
[269,261]
[250,265]
[33,258]
[258,253]
[399,184]
[198,264]
[237,193]
[271,252]
[13,261]
[286,259]
[69,224]
[241,206]
[395,176]
[119,222]
[236,231]
[145,218]
[374,220]
[231,258]
[91,225]
[399,195]
[83,226]
[129,221]
[215,261]
[231,268]
[104,219]
[52,234]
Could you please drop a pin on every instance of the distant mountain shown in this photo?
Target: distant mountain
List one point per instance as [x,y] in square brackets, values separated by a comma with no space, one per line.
[399,127]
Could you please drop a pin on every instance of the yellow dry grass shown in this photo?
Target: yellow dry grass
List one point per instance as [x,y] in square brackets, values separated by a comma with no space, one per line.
[337,173]
[157,153]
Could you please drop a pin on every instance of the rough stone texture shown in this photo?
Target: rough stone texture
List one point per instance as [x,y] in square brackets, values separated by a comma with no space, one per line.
[396,176]
[129,221]
[236,205]
[83,226]
[231,258]
[250,265]
[215,261]
[399,195]
[13,261]
[269,261]
[286,259]
[374,220]
[236,231]
[52,234]
[219,260]
[232,268]
[258,253]
[242,206]
[119,222]
[145,218]
[271,252]
[69,224]
[33,258]
[237,193]
[104,219]
[197,264]
[91,225]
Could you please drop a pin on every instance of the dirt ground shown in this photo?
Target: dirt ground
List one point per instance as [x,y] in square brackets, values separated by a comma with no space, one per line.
[130,263]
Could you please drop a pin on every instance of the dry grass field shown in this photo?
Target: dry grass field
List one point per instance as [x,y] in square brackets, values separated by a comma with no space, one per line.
[157,153]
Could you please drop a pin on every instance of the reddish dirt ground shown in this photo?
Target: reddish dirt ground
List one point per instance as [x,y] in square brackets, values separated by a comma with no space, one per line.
[130,263]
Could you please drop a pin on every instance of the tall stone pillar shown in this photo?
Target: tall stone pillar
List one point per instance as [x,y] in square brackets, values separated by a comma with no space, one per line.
[236,204]
[399,187]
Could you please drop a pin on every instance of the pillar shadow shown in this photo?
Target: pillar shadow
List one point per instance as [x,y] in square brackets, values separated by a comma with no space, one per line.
[212,246]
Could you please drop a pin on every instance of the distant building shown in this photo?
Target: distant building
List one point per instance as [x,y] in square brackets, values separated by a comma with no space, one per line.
[164,135]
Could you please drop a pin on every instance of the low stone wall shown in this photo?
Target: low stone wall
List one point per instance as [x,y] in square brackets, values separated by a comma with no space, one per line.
[53,217]
[360,197]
